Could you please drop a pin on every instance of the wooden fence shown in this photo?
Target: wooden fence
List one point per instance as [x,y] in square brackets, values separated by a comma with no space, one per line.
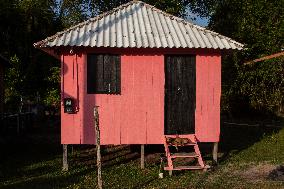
[17,123]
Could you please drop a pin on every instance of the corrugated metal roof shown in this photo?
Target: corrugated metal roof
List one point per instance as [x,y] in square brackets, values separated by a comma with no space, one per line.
[140,25]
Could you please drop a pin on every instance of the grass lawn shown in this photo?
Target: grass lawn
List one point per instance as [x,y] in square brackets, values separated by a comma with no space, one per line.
[248,159]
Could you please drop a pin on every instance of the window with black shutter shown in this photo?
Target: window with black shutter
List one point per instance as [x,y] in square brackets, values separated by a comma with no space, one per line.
[103,74]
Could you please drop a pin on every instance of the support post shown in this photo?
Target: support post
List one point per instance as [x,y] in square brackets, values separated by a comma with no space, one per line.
[72,150]
[142,156]
[65,160]
[98,145]
[215,153]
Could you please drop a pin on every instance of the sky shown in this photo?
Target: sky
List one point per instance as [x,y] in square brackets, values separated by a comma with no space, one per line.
[201,21]
[198,20]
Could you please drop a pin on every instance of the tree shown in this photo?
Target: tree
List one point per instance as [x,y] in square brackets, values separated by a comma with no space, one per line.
[260,26]
[71,12]
[24,22]
[175,7]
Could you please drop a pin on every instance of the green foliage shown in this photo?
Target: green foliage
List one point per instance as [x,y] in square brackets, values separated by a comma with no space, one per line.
[52,97]
[257,87]
[260,26]
[14,79]
[263,83]
[71,12]
[23,23]
[175,7]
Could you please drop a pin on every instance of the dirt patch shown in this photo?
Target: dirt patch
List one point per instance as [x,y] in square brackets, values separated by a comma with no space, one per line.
[153,158]
[277,174]
[261,172]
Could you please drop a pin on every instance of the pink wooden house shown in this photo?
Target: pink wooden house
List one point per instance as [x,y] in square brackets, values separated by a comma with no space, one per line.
[149,72]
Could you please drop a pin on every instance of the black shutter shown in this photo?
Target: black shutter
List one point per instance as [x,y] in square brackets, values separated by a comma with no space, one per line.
[107,73]
[117,74]
[103,74]
[99,73]
[91,73]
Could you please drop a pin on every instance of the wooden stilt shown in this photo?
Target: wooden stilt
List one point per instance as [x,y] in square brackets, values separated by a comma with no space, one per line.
[215,153]
[65,160]
[72,150]
[170,172]
[99,163]
[142,156]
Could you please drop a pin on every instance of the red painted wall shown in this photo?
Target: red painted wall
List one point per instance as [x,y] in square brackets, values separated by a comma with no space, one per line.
[137,115]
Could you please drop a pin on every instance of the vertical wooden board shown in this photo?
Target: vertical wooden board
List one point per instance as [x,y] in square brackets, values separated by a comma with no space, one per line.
[78,60]
[215,68]
[105,118]
[70,131]
[210,95]
[198,115]
[115,125]
[149,111]
[137,128]
[107,125]
[202,98]
[89,102]
[82,88]
[155,117]
[218,91]
[88,129]
[127,80]
[214,84]
[211,107]
[110,119]
[70,127]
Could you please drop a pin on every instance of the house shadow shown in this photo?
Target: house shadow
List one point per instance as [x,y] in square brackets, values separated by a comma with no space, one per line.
[239,134]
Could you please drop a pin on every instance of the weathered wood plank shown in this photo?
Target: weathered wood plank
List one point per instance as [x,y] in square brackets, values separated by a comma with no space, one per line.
[65,157]
[142,156]
[99,163]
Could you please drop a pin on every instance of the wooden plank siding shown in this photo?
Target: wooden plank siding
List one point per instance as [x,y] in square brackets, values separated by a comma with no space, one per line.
[136,116]
[208,93]
[71,123]
[133,117]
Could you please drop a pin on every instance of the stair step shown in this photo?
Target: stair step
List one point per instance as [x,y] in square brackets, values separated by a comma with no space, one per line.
[185,168]
[187,144]
[184,155]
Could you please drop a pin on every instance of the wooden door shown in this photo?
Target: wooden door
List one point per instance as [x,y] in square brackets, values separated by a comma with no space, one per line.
[180,92]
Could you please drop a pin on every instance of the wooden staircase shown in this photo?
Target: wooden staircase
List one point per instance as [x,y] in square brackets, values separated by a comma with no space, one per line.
[178,141]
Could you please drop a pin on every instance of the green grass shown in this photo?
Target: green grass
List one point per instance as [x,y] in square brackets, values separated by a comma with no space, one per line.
[36,163]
